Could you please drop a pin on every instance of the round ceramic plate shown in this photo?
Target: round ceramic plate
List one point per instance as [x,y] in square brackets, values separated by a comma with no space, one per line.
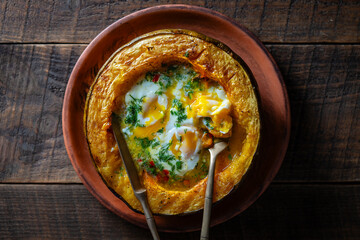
[273,105]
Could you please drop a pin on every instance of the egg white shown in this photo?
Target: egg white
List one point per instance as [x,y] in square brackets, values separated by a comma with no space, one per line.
[160,114]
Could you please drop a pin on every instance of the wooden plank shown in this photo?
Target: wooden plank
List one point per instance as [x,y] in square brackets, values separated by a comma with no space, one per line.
[324,88]
[283,212]
[322,81]
[271,20]
[32,87]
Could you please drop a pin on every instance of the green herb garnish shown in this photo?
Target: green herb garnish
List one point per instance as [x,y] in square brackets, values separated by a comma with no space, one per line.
[186,54]
[179,165]
[191,86]
[178,111]
[207,121]
[132,112]
[146,142]
[164,155]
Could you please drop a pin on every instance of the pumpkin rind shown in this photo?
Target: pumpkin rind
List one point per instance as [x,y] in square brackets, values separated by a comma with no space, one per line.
[148,53]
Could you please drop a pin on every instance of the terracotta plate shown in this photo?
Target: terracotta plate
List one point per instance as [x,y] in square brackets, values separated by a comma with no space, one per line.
[273,103]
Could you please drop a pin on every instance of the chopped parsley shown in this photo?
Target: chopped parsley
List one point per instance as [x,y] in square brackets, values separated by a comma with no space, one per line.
[179,111]
[149,76]
[119,171]
[179,165]
[164,82]
[174,177]
[149,152]
[155,143]
[155,164]
[186,54]
[146,142]
[159,78]
[149,166]
[165,156]
[207,122]
[191,86]
[132,112]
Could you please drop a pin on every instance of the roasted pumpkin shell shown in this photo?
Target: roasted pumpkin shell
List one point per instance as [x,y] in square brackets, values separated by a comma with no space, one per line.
[148,53]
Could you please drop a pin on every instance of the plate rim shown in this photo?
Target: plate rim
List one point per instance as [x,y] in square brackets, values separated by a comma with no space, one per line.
[129,18]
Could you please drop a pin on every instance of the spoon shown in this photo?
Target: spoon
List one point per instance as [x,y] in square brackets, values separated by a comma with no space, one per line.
[214,151]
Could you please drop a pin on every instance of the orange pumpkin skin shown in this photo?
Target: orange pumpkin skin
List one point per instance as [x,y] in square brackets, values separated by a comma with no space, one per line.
[148,53]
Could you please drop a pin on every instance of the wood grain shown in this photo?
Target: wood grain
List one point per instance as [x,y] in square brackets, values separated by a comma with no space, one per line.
[322,81]
[316,193]
[283,212]
[76,21]
[323,86]
[32,87]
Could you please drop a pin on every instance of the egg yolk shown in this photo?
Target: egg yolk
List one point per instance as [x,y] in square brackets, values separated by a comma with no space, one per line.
[166,116]
[218,111]
[185,144]
[189,142]
[154,114]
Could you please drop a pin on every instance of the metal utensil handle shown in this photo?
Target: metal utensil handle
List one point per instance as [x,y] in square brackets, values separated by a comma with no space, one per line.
[139,190]
[208,200]
[148,215]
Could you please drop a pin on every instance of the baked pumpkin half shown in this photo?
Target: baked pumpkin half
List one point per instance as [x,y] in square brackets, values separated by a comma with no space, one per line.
[176,92]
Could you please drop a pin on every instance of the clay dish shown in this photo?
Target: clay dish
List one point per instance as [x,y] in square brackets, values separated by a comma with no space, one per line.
[272,98]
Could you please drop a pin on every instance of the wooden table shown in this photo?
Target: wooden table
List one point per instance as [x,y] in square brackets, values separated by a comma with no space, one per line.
[316,194]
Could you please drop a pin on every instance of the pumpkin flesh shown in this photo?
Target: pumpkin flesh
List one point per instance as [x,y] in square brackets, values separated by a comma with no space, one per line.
[150,53]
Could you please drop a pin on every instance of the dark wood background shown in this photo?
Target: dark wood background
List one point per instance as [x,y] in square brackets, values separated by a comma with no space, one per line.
[316,194]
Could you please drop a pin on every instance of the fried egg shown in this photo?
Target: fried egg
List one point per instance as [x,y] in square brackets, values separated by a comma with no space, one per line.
[165,115]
